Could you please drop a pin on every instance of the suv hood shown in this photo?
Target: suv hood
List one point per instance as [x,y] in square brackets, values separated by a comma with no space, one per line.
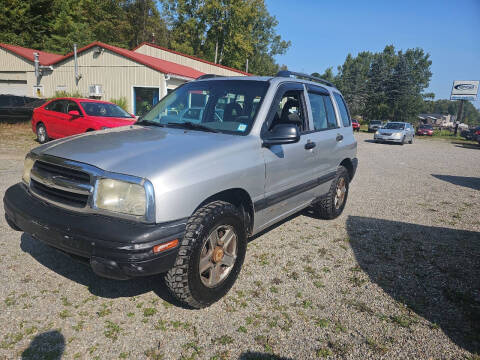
[140,150]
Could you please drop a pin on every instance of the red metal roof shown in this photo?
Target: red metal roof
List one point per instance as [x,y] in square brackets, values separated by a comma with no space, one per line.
[44,58]
[191,57]
[166,67]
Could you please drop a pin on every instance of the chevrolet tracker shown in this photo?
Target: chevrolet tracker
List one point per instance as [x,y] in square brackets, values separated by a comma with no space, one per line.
[179,192]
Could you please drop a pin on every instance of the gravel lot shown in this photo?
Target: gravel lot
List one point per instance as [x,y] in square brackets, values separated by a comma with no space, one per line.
[397,276]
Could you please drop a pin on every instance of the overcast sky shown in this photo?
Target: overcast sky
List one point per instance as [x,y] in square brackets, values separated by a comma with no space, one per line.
[324,32]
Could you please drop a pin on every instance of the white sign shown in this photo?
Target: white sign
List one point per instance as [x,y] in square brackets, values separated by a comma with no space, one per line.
[38,91]
[464,90]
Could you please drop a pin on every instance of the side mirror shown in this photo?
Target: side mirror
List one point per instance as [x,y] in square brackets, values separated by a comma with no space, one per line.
[74,113]
[281,134]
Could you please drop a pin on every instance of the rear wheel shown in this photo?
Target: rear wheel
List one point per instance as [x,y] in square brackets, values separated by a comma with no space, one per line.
[42,135]
[332,204]
[210,255]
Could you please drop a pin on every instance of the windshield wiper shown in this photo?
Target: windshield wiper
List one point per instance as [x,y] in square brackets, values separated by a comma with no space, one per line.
[149,123]
[192,126]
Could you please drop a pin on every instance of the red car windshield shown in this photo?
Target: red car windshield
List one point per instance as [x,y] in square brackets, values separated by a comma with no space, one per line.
[104,110]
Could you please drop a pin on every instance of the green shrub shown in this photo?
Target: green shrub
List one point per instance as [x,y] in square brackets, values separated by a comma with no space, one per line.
[122,102]
[59,94]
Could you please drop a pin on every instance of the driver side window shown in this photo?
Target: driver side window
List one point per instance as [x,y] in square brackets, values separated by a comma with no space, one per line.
[290,110]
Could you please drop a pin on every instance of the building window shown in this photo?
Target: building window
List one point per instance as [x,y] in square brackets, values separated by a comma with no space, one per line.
[144,98]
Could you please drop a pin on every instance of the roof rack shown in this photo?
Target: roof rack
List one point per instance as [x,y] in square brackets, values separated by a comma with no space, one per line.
[208,76]
[288,73]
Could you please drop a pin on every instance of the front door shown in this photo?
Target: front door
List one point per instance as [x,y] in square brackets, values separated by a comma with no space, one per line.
[290,180]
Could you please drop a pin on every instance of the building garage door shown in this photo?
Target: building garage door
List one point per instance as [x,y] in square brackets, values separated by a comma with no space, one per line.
[14,87]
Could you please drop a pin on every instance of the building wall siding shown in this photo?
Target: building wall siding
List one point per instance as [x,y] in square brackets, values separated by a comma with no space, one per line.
[115,73]
[183,60]
[12,62]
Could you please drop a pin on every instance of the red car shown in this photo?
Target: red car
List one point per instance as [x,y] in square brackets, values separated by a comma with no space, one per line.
[355,125]
[69,116]
[425,130]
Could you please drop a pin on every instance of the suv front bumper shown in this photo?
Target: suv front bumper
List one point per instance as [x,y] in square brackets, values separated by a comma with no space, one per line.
[115,248]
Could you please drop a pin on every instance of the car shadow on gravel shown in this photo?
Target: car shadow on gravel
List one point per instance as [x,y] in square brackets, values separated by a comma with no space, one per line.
[47,345]
[380,142]
[465,181]
[466,145]
[434,271]
[250,355]
[71,269]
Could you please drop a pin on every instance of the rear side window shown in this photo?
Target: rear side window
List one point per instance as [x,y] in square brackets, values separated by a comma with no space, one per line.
[4,101]
[57,106]
[322,112]
[343,109]
[18,101]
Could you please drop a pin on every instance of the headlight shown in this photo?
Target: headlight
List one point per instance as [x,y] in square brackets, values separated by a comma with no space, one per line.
[121,196]
[398,134]
[27,168]
[377,133]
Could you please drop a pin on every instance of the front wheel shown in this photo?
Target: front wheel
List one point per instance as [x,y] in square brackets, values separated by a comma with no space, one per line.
[210,255]
[42,135]
[411,140]
[332,204]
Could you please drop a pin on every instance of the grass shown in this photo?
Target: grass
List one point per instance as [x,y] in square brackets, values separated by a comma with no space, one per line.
[324,352]
[112,330]
[322,323]
[149,312]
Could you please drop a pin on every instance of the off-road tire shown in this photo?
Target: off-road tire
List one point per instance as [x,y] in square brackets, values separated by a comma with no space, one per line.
[325,206]
[183,279]
[42,139]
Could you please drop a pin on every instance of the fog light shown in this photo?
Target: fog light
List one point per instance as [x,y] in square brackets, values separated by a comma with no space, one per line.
[165,246]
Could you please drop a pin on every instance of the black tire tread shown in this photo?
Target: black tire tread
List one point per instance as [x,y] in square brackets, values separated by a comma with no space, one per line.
[177,277]
[325,207]
[46,133]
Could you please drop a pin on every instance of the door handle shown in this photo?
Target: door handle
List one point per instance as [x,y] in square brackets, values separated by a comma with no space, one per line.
[339,137]
[310,145]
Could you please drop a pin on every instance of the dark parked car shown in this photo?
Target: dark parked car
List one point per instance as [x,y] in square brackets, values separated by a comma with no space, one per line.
[470,134]
[374,125]
[18,108]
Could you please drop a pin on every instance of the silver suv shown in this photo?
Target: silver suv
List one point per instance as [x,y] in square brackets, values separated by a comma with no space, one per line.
[180,198]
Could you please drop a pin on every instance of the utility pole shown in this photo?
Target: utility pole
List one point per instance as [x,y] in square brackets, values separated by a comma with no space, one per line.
[246,66]
[458,120]
[216,51]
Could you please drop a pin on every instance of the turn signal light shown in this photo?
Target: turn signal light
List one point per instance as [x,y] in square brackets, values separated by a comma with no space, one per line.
[165,246]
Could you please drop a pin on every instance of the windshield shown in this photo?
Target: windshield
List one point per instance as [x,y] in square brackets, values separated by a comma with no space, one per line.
[395,126]
[104,110]
[227,106]
[426,127]
[375,122]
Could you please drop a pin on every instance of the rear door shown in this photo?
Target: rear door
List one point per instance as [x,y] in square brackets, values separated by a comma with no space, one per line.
[326,133]
[289,179]
[54,118]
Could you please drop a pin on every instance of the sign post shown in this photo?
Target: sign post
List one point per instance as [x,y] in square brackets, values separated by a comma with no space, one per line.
[463,90]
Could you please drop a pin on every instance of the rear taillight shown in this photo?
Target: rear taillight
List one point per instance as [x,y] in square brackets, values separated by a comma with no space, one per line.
[478,132]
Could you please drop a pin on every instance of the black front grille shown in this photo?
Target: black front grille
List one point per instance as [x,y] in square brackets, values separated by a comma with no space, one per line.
[41,183]
[60,196]
[68,173]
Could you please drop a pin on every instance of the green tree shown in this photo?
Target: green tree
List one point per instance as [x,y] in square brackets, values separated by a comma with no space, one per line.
[26,22]
[226,31]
